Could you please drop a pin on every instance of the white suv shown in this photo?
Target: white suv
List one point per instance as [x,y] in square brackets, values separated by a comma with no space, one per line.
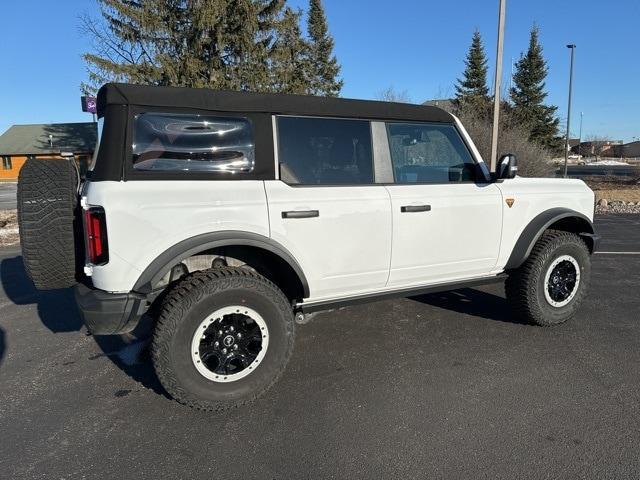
[228,216]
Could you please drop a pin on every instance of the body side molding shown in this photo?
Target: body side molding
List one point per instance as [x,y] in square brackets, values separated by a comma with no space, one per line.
[206,241]
[536,227]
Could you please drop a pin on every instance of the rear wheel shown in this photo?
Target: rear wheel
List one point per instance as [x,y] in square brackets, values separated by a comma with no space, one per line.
[224,336]
[550,286]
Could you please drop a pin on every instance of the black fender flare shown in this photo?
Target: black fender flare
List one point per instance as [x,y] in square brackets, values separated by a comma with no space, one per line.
[536,227]
[159,267]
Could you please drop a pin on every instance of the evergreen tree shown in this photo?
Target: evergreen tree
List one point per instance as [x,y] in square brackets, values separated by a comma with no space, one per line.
[224,44]
[291,56]
[323,66]
[471,90]
[528,96]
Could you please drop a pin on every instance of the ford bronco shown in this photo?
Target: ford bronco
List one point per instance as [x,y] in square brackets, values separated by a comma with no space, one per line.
[230,217]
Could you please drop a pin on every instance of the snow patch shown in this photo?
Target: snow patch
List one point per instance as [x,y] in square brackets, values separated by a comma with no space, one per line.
[607,163]
[5,232]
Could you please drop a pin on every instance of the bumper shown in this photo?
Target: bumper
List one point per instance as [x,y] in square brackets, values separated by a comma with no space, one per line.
[107,313]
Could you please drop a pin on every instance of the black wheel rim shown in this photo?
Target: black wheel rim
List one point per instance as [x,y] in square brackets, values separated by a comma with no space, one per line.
[562,281]
[230,344]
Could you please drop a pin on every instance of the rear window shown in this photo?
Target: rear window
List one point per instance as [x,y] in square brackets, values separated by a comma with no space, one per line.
[192,143]
[324,151]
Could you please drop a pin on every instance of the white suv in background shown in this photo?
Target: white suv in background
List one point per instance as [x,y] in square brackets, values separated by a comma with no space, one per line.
[227,216]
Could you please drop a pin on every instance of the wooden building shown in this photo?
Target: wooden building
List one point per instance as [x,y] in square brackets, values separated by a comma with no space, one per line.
[45,141]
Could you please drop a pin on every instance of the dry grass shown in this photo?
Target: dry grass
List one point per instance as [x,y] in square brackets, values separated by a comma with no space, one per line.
[8,228]
[620,194]
[626,191]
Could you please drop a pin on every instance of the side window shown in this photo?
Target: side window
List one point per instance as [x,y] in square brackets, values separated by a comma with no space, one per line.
[429,153]
[324,151]
[6,163]
[192,143]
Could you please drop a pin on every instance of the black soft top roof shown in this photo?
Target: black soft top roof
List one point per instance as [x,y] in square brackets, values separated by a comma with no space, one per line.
[274,103]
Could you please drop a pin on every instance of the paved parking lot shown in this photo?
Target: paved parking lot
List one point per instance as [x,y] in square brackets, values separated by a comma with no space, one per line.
[8,195]
[439,386]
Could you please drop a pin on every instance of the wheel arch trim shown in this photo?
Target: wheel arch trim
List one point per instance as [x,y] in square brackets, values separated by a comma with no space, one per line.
[536,227]
[206,241]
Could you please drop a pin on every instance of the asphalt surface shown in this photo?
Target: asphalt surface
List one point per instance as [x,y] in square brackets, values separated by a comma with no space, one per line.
[441,386]
[8,195]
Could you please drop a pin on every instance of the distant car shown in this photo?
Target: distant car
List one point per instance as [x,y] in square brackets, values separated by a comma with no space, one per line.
[227,216]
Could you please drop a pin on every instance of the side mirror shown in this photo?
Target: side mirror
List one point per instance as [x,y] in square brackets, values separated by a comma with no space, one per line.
[507,167]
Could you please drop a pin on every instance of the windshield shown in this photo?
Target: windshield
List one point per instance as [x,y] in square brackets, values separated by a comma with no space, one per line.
[95,151]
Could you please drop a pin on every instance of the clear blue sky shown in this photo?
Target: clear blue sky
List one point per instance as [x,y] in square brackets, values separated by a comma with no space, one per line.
[414,45]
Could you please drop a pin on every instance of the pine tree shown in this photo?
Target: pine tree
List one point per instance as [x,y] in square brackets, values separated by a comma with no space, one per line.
[223,44]
[323,66]
[528,95]
[471,90]
[291,56]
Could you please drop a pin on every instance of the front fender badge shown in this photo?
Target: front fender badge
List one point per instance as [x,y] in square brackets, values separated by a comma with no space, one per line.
[510,201]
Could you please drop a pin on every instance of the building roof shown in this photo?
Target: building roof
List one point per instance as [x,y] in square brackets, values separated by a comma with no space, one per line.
[273,103]
[444,103]
[603,142]
[38,139]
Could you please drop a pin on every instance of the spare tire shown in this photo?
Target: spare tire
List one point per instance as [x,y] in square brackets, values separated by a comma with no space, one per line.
[48,220]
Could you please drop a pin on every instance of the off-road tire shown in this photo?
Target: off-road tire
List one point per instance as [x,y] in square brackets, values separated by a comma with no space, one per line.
[193,298]
[525,285]
[48,222]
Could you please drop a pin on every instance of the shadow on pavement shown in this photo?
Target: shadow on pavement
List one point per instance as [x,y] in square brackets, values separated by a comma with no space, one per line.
[472,302]
[131,355]
[58,312]
[56,308]
[2,345]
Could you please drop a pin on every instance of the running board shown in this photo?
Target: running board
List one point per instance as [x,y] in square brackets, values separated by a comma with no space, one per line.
[404,292]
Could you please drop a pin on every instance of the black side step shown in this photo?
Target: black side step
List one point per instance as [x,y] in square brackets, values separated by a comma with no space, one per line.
[404,292]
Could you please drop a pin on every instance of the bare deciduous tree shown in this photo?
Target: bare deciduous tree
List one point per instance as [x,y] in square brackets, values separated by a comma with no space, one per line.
[534,160]
[595,146]
[390,94]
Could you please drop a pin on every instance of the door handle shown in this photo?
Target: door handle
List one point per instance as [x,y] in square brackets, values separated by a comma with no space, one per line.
[301,214]
[415,208]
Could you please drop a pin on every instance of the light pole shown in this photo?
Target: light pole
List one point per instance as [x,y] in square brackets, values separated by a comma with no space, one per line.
[572,47]
[496,86]
[580,135]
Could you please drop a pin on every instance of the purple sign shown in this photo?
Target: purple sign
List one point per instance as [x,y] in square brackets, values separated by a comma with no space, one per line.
[88,104]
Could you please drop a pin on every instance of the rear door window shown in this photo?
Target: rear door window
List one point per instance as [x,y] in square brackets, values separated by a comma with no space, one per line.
[324,151]
[173,142]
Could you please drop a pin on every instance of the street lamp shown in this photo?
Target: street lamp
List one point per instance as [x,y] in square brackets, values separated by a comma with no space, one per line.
[571,47]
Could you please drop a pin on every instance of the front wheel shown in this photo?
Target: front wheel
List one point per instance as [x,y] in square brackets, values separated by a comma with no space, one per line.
[223,338]
[550,286]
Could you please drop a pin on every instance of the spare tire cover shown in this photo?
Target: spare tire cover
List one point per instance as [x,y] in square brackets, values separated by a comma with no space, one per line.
[48,220]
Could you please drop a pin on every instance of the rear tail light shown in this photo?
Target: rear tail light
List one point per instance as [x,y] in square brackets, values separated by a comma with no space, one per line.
[95,227]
